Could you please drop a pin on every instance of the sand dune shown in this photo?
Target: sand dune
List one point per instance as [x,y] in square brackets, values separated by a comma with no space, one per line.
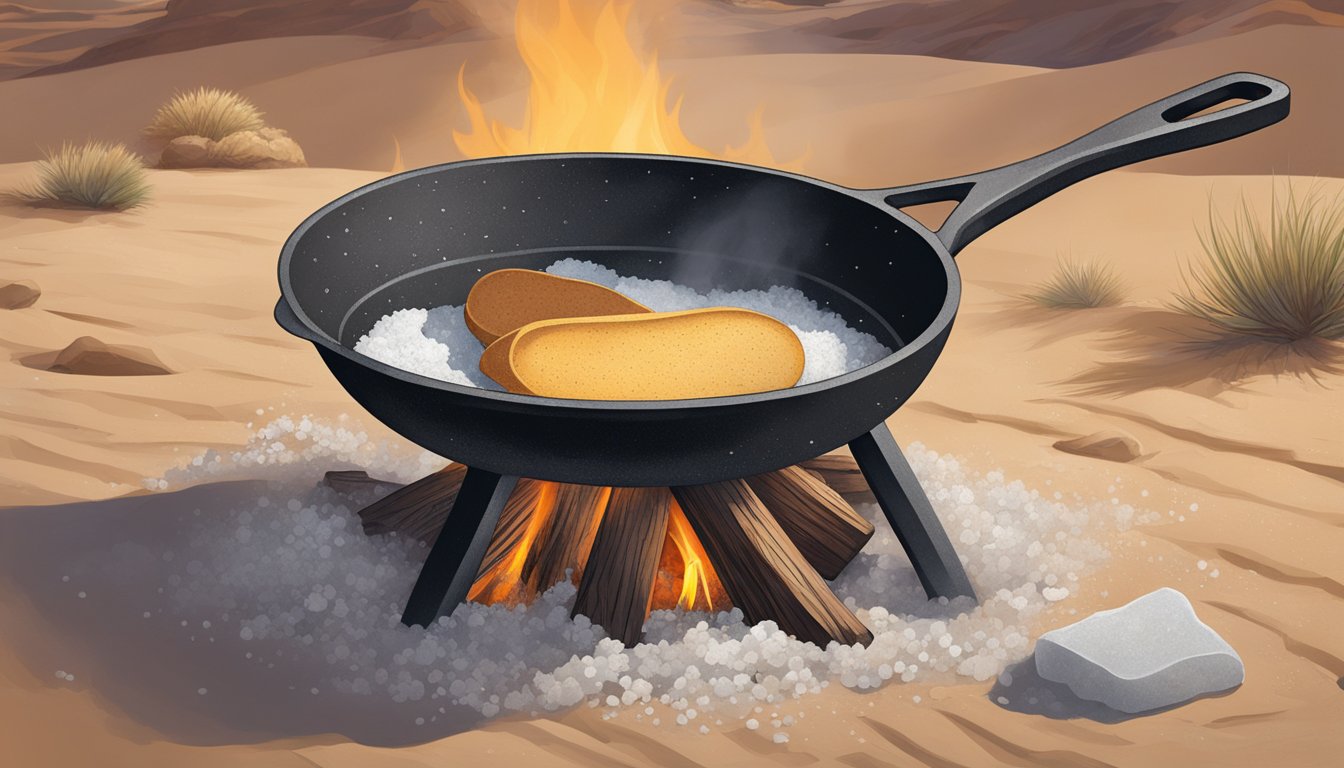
[864,120]
[1040,33]
[1044,33]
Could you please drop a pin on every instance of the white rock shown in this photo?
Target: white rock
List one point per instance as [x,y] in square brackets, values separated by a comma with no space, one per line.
[1151,653]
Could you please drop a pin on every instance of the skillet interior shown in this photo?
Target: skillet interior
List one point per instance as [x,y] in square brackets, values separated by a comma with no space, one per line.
[424,239]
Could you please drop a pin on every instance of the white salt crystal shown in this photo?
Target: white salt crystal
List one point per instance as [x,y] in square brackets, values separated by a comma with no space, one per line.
[437,342]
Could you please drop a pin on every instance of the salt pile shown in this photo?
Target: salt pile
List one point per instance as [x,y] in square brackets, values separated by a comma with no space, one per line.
[437,343]
[292,575]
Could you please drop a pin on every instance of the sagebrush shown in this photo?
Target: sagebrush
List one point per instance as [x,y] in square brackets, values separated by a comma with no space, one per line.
[208,112]
[91,175]
[1278,278]
[1079,285]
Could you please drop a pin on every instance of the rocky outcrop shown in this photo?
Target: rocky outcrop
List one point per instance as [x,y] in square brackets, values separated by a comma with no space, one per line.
[264,148]
[19,294]
[90,357]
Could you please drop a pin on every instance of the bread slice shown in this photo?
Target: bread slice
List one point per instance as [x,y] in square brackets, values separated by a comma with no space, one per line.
[507,299]
[648,356]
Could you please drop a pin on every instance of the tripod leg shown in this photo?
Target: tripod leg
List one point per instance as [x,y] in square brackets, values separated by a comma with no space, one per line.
[451,567]
[911,515]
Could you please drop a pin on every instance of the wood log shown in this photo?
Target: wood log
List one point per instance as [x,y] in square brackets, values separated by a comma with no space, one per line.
[761,569]
[841,473]
[355,480]
[617,582]
[512,525]
[565,536]
[417,510]
[823,526]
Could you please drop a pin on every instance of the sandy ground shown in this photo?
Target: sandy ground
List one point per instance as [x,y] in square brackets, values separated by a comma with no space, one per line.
[1254,444]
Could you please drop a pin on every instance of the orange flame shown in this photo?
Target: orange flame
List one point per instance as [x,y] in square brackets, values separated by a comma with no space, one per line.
[696,570]
[590,91]
[686,578]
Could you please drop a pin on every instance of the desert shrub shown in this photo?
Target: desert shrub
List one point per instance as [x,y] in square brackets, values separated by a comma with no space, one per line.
[91,175]
[1079,285]
[1279,280]
[208,112]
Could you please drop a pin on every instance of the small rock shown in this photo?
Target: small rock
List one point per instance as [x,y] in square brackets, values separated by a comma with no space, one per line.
[265,148]
[90,357]
[19,294]
[1109,444]
[1151,653]
[186,152]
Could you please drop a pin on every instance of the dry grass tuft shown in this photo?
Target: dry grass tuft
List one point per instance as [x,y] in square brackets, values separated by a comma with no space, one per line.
[208,112]
[1280,282]
[91,175]
[1079,285]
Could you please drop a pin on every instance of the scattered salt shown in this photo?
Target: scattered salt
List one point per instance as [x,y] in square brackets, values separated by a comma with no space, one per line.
[264,587]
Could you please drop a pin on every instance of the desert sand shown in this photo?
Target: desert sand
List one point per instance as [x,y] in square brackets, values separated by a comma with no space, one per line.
[1241,453]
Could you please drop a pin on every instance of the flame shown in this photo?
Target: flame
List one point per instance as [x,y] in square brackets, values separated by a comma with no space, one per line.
[686,578]
[696,570]
[590,91]
[504,584]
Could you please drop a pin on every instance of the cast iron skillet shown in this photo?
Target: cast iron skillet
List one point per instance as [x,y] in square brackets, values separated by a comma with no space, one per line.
[421,238]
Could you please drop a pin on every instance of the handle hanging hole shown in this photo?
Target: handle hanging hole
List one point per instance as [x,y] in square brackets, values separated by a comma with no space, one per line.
[930,206]
[1217,100]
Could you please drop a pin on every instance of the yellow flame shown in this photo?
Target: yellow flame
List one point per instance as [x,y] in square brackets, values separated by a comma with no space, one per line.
[504,581]
[695,576]
[590,91]
[397,164]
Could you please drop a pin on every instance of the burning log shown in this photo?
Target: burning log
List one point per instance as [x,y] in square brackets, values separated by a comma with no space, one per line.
[617,584]
[512,526]
[841,472]
[417,510]
[823,526]
[565,536]
[763,571]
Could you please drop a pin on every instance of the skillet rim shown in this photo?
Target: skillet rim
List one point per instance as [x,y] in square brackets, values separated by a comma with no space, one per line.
[873,197]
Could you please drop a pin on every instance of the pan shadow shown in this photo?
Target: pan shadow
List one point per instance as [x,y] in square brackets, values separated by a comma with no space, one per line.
[1161,348]
[1021,689]
[89,578]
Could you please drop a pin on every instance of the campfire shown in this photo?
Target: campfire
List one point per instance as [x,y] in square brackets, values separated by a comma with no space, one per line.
[764,544]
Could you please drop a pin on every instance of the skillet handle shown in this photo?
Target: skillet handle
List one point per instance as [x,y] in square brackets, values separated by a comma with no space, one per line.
[1161,128]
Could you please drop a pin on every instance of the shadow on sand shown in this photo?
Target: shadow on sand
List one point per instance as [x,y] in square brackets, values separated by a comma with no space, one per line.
[1160,348]
[1022,689]
[121,645]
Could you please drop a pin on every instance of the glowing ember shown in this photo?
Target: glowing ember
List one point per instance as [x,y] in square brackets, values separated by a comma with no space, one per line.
[590,91]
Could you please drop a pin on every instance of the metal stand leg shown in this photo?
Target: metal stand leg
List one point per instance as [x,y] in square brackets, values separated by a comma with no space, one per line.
[910,514]
[451,568]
